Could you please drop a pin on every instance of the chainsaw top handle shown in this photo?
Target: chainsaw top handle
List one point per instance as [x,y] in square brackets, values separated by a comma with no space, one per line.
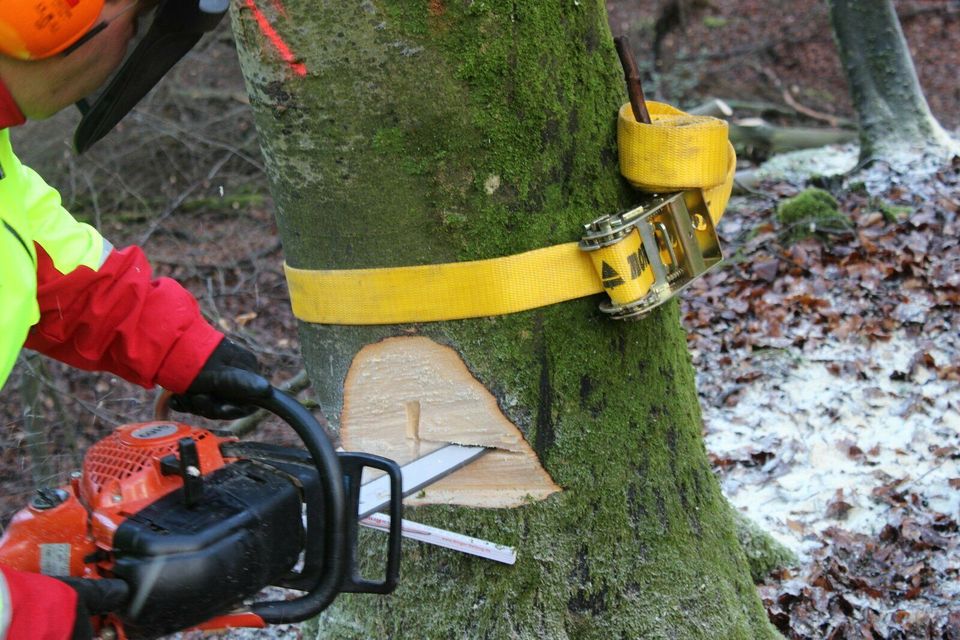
[335,547]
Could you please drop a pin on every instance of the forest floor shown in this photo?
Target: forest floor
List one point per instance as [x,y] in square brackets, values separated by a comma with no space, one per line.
[829,376]
[827,367]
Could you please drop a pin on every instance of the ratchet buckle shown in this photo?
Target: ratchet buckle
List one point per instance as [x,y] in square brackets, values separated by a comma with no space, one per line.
[648,254]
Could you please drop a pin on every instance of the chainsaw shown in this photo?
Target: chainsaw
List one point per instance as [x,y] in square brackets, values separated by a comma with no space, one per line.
[194,524]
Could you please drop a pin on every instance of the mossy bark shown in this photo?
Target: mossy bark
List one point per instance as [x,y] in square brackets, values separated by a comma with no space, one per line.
[436,131]
[894,115]
[764,553]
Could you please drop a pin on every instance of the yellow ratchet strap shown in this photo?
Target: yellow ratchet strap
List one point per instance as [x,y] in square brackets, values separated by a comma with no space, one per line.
[640,258]
[675,152]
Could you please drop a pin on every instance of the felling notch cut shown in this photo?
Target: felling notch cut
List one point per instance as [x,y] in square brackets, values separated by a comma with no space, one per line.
[407,397]
[640,258]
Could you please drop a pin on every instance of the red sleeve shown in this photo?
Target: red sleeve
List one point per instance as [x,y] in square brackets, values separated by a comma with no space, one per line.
[42,608]
[120,319]
[10,114]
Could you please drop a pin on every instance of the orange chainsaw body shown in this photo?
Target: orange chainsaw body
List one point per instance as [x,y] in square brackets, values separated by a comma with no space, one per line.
[121,474]
[192,526]
[70,531]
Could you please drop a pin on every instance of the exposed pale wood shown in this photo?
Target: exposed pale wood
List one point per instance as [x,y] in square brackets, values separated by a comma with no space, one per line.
[405,397]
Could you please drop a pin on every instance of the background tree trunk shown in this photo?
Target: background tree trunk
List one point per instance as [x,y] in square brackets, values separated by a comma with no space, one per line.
[894,116]
[434,131]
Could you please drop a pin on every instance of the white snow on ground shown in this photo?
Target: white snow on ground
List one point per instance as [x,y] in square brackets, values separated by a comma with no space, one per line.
[811,419]
[842,418]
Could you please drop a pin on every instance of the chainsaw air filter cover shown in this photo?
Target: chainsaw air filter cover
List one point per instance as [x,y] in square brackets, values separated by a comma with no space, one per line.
[122,470]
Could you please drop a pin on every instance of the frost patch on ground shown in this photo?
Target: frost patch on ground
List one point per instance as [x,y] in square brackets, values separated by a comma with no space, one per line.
[799,166]
[912,172]
[822,444]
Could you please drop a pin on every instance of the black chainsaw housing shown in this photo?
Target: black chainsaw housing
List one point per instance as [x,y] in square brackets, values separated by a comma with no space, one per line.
[189,564]
[189,560]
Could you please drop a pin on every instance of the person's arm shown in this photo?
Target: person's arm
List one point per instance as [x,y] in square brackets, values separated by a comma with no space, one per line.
[119,318]
[102,309]
[35,607]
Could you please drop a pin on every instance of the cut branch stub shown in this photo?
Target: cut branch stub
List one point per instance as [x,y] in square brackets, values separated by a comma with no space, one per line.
[406,397]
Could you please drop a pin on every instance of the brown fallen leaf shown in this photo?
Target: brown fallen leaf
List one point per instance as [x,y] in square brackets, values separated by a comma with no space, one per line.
[838,507]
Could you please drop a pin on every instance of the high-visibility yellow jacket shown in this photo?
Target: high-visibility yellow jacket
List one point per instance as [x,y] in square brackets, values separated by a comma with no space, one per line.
[66,292]
[30,209]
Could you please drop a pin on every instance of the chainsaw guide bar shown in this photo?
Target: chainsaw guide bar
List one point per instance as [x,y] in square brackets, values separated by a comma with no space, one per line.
[420,473]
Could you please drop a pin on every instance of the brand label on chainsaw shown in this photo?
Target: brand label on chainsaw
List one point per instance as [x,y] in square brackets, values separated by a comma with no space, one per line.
[153,431]
[55,559]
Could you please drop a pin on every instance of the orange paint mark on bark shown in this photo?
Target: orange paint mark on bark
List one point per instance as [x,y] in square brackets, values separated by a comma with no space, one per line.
[275,39]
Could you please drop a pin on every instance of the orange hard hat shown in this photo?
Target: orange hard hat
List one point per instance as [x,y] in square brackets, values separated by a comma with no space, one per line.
[35,29]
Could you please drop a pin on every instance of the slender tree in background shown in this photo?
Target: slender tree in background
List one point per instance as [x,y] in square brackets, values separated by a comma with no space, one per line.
[398,133]
[895,120]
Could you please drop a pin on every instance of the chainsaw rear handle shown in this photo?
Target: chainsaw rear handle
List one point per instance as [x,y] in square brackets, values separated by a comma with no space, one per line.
[335,543]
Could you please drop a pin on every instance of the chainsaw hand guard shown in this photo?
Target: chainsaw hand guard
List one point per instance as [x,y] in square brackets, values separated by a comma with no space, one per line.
[335,540]
[353,465]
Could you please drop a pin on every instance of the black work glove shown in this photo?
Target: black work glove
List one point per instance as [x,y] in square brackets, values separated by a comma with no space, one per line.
[230,376]
[94,598]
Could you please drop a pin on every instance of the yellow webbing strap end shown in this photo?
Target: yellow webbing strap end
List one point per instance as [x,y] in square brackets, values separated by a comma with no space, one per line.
[677,151]
[451,291]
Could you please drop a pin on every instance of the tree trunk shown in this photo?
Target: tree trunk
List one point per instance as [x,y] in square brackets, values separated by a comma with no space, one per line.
[757,135]
[443,131]
[895,119]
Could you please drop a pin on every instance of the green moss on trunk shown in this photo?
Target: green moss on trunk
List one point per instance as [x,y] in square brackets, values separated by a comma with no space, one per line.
[436,131]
